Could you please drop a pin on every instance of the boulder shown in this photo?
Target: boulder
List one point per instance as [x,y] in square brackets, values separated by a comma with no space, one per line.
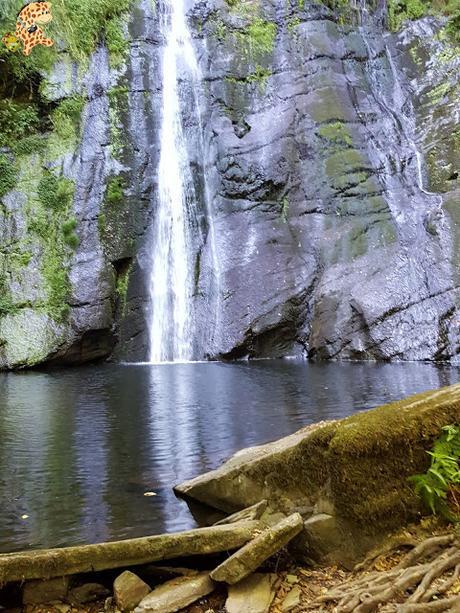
[252,595]
[355,470]
[38,592]
[247,559]
[129,590]
[176,594]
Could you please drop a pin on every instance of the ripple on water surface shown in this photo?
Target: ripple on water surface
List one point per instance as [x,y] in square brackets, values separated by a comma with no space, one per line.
[80,448]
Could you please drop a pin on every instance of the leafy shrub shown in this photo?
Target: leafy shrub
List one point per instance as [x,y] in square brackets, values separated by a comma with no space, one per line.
[400,10]
[17,120]
[440,485]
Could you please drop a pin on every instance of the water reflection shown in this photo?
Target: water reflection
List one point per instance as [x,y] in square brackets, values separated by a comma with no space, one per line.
[79,448]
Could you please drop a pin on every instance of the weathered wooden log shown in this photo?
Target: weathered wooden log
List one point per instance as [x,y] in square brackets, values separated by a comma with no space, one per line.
[247,559]
[47,563]
[250,513]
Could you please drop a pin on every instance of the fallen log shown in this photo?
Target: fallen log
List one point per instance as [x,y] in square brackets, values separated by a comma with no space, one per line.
[247,559]
[47,563]
[250,513]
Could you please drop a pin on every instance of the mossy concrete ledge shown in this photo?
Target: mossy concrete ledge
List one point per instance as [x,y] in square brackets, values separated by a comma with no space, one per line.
[354,472]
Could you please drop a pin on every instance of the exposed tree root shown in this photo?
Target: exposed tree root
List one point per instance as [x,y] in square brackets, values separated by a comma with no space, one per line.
[405,540]
[447,604]
[425,549]
[428,572]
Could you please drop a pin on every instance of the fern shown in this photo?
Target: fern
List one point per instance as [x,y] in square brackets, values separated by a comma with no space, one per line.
[439,487]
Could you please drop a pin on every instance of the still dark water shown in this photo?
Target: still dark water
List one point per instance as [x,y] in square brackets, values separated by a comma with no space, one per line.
[79,448]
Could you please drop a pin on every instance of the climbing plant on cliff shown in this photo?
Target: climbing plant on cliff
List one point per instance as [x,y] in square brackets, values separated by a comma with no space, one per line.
[440,485]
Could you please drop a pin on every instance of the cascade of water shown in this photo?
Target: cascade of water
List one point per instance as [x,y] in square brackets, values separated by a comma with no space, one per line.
[178,230]
[394,100]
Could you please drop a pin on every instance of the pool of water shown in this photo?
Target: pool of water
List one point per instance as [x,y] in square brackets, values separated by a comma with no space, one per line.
[79,448]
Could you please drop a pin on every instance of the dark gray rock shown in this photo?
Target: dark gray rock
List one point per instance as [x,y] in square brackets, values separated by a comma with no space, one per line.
[89,592]
[39,592]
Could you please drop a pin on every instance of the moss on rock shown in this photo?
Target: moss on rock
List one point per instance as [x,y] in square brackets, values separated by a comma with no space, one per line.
[357,468]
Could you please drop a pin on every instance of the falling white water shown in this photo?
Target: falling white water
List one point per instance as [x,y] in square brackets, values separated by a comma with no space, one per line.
[176,228]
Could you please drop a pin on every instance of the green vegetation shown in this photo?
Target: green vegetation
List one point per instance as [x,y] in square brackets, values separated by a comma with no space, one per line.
[285,209]
[345,10]
[259,75]
[257,40]
[114,194]
[66,118]
[7,306]
[49,196]
[79,25]
[440,485]
[260,36]
[8,175]
[17,120]
[68,230]
[115,39]
[293,23]
[82,24]
[118,105]
[34,132]
[122,285]
[49,219]
[336,133]
[401,10]
[55,193]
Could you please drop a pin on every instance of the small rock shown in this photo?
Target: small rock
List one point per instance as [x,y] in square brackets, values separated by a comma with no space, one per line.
[129,590]
[62,607]
[89,592]
[176,594]
[292,579]
[38,592]
[292,600]
[252,595]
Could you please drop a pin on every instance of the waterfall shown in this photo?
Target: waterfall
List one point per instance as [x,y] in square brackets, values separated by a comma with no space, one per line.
[396,151]
[181,217]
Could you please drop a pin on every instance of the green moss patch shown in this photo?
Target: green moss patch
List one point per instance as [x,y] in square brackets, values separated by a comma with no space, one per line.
[369,456]
[256,41]
[336,133]
[8,175]
[50,222]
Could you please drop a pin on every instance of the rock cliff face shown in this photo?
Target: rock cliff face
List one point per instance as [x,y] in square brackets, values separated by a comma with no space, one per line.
[331,168]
